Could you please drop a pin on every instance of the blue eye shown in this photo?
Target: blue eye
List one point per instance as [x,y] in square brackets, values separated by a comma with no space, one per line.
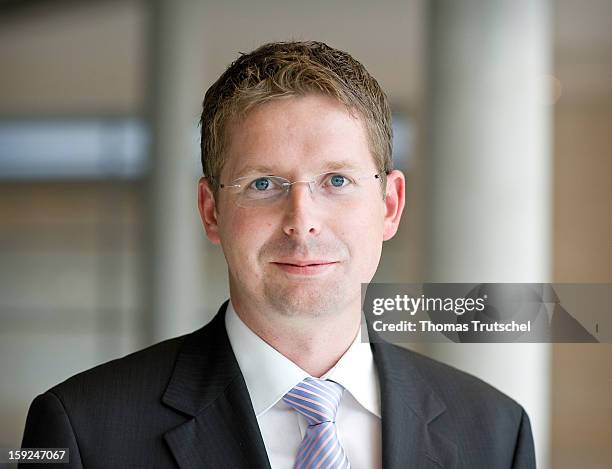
[261,184]
[337,180]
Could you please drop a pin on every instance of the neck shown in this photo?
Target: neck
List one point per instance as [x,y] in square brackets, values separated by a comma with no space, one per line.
[315,344]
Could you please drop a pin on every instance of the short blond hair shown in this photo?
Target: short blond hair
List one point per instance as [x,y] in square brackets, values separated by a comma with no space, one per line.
[283,69]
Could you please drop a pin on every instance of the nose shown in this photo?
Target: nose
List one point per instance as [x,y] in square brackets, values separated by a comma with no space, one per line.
[301,212]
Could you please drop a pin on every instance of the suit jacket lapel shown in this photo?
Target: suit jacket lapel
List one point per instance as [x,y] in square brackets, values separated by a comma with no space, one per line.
[208,387]
[409,406]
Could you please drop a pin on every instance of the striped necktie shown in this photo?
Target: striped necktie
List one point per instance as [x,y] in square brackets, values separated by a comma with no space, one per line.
[317,400]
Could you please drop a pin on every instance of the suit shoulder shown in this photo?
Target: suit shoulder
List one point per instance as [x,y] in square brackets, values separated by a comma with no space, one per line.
[151,365]
[461,390]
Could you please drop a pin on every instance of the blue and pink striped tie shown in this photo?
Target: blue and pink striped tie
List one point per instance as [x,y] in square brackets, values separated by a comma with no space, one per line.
[317,400]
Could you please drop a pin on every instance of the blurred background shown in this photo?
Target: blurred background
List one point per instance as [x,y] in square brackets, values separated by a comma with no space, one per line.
[503,118]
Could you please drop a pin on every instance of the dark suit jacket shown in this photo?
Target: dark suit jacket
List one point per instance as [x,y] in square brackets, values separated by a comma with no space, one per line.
[184,403]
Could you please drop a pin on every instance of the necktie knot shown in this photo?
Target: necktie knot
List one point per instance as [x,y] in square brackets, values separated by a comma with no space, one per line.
[316,399]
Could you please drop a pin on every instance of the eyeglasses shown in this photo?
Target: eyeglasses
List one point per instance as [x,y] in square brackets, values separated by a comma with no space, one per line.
[253,191]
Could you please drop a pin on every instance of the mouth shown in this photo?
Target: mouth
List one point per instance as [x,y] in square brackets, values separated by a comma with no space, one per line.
[305,267]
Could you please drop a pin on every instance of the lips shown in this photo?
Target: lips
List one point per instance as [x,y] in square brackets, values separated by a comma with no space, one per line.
[305,267]
[303,263]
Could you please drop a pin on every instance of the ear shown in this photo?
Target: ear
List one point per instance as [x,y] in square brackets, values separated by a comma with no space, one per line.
[208,211]
[394,203]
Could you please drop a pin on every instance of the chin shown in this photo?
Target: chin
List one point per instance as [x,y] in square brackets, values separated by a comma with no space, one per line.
[312,300]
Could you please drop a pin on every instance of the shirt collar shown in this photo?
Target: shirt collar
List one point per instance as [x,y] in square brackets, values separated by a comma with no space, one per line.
[356,372]
[269,375]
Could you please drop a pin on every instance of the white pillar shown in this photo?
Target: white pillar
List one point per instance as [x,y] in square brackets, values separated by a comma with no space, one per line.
[489,175]
[175,291]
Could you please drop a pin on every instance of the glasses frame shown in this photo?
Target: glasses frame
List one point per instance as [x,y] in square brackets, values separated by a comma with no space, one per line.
[286,184]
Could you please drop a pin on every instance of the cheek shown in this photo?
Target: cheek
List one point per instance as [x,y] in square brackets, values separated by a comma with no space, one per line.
[368,219]
[362,230]
[242,236]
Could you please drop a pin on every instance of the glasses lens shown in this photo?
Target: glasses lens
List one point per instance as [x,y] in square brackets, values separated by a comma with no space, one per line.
[261,190]
[337,183]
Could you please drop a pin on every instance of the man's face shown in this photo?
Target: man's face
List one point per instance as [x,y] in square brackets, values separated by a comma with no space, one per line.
[307,253]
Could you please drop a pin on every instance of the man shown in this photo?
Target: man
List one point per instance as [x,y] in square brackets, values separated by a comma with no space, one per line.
[300,192]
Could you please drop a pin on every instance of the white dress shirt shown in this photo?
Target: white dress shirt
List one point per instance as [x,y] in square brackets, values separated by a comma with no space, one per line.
[269,375]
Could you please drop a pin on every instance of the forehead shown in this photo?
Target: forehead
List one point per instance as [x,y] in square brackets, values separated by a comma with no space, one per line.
[297,135]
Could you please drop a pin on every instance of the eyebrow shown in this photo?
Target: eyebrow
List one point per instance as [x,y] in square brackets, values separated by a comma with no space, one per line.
[259,169]
[262,169]
[336,165]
